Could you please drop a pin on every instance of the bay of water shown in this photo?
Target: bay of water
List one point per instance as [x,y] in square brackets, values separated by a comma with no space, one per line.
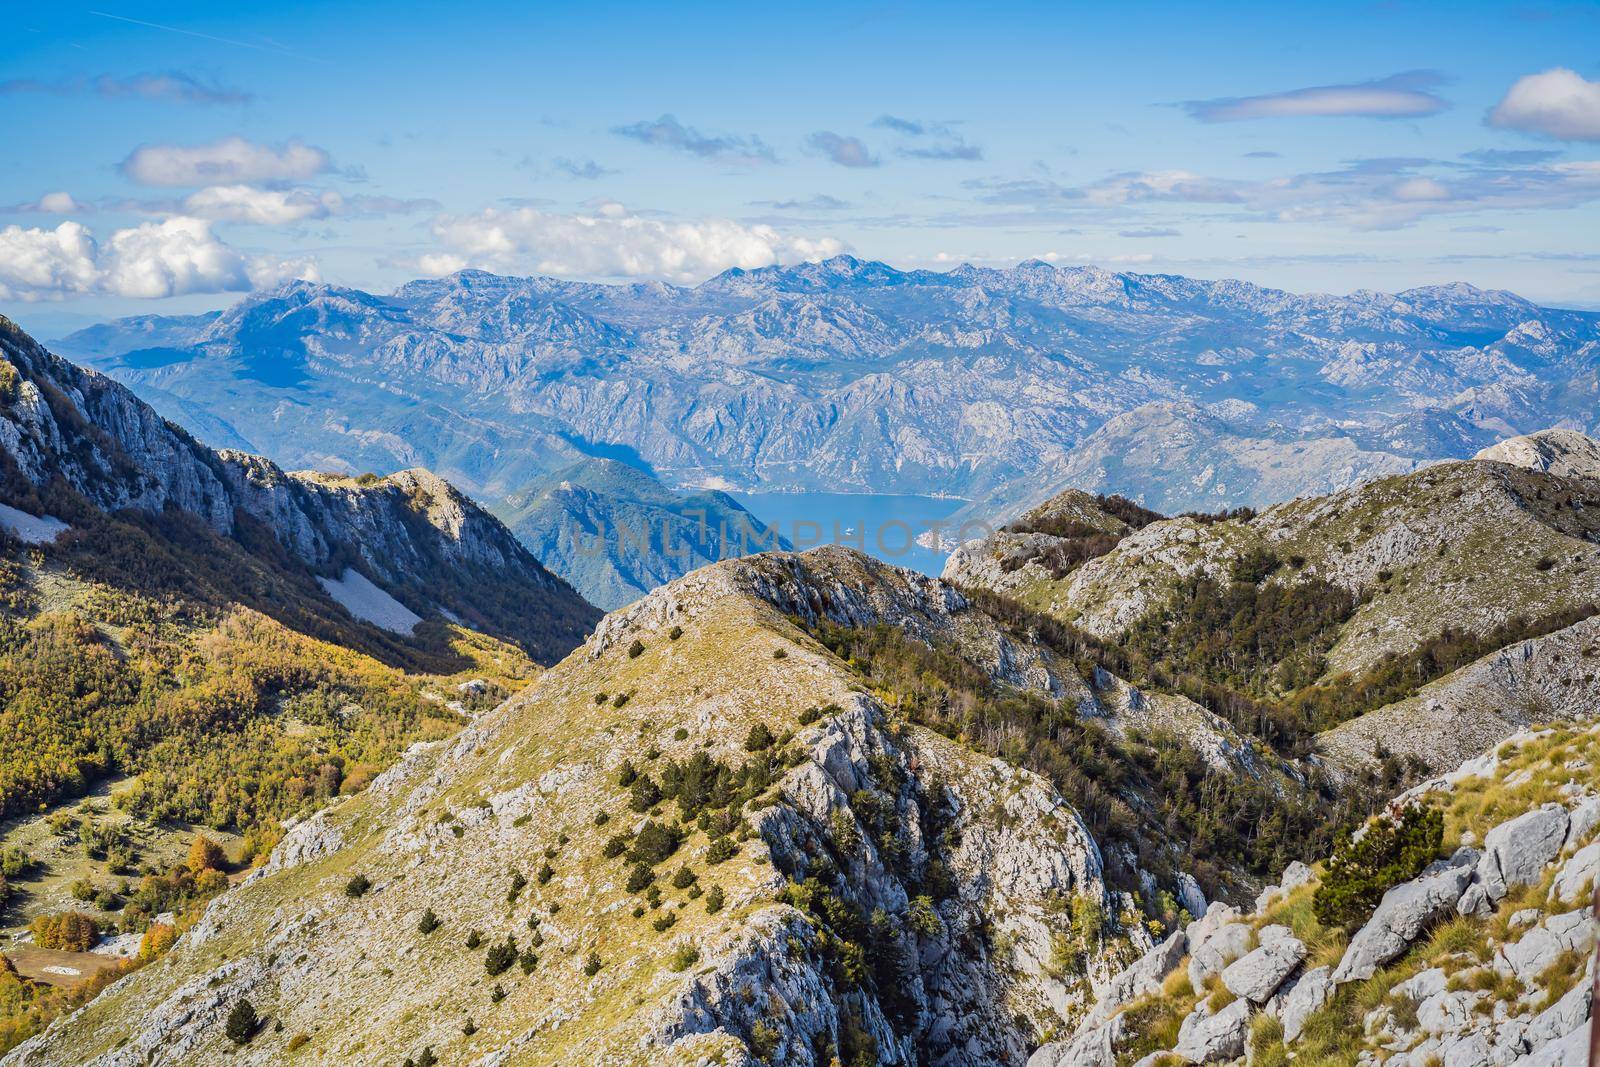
[882,525]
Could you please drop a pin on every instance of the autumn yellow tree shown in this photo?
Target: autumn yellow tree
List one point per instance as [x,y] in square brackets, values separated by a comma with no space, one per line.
[205,855]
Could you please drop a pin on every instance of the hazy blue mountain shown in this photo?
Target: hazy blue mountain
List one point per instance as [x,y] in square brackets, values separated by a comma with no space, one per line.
[996,386]
[615,532]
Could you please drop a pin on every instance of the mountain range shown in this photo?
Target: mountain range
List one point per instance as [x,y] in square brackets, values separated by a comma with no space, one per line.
[993,386]
[1308,782]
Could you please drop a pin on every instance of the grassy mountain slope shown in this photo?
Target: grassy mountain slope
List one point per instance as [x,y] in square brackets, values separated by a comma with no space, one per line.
[859,887]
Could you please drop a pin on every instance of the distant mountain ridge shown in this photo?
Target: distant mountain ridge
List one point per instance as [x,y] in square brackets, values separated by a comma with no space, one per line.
[852,376]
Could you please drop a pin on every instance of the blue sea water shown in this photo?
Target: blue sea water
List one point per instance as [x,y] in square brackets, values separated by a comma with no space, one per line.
[885,526]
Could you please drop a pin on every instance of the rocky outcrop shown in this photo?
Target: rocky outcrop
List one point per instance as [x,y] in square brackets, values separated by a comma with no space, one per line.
[1511,991]
[1470,711]
[1564,452]
[1211,1037]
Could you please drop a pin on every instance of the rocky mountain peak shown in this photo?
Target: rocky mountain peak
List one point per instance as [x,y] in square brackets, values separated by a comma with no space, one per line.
[1556,451]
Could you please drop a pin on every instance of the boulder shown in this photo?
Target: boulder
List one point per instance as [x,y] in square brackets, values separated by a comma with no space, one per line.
[1580,870]
[1258,974]
[1226,944]
[1208,1038]
[1308,997]
[1404,913]
[1522,846]
[1217,916]
[1475,901]
[1268,934]
[1539,947]
[1581,821]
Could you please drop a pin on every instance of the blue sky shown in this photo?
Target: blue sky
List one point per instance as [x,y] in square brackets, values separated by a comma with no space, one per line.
[167,157]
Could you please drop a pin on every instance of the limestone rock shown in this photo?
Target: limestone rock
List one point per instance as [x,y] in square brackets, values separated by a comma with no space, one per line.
[1092,1047]
[1214,954]
[1143,976]
[1208,1038]
[1520,847]
[1403,914]
[1581,821]
[1257,975]
[1580,871]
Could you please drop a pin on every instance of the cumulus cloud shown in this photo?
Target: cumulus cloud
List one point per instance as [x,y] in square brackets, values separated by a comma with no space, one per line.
[155,259]
[170,87]
[668,132]
[611,241]
[1557,103]
[845,151]
[232,160]
[1399,96]
[267,207]
[280,207]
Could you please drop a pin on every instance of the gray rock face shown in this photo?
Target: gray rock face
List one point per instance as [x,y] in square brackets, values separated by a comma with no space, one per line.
[1538,948]
[1093,1047]
[1190,896]
[1208,1038]
[1519,848]
[1257,975]
[1403,914]
[1144,976]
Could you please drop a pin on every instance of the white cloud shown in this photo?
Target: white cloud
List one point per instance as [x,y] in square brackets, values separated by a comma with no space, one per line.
[1371,194]
[152,260]
[57,203]
[1398,96]
[610,241]
[230,160]
[1557,103]
[266,207]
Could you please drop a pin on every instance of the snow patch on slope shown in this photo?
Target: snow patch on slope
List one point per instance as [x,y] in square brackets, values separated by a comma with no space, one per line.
[31,529]
[367,602]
